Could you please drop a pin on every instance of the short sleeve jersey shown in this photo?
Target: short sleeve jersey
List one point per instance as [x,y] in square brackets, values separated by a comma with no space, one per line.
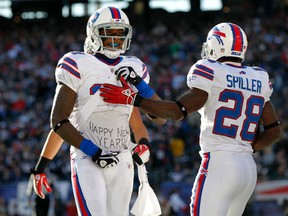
[107,125]
[236,97]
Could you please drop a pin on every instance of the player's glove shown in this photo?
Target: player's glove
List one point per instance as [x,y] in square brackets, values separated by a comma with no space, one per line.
[128,74]
[40,181]
[141,153]
[102,159]
[120,95]
[106,160]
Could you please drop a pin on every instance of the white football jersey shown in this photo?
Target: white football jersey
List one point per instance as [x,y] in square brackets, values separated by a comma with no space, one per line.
[106,125]
[236,97]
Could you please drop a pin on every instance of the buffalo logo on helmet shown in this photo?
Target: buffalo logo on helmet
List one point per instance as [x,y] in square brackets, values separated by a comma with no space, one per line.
[93,19]
[218,34]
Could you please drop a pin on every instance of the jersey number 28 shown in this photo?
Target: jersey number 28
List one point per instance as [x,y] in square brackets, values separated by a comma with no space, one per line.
[251,116]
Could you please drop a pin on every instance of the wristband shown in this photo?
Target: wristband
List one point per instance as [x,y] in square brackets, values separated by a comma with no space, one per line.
[137,100]
[88,147]
[182,109]
[144,89]
[59,124]
[41,164]
[144,141]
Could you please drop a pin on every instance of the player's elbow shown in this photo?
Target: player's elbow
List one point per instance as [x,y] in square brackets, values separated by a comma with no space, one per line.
[55,119]
[175,115]
[159,121]
[277,133]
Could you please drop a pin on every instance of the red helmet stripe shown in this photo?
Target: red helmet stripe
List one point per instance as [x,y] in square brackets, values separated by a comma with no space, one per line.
[222,34]
[115,13]
[237,38]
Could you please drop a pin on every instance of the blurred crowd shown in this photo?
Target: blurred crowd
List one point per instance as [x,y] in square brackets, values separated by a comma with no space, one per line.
[28,56]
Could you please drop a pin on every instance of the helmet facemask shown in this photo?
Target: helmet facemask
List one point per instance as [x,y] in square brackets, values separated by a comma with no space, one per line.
[119,39]
[112,24]
[207,52]
[108,32]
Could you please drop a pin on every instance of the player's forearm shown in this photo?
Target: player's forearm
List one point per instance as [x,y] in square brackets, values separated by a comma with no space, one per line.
[140,133]
[52,145]
[267,138]
[155,119]
[70,134]
[162,109]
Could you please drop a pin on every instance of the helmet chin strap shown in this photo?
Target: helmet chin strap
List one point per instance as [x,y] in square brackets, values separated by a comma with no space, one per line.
[111,54]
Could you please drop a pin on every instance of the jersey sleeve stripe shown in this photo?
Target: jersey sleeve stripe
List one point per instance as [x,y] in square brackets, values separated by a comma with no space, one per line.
[203,74]
[204,71]
[71,62]
[69,69]
[71,66]
[204,68]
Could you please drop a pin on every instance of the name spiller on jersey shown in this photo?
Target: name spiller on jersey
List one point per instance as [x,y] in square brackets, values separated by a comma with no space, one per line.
[233,81]
[244,83]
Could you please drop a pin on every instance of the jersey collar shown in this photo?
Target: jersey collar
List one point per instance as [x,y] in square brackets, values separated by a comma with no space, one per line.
[108,61]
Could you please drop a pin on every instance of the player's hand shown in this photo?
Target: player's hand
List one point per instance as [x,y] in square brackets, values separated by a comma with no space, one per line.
[107,160]
[117,94]
[40,181]
[141,153]
[128,74]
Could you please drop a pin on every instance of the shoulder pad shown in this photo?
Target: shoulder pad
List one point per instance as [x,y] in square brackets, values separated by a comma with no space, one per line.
[258,69]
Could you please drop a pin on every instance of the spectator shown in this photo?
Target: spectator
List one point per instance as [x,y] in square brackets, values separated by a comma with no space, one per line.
[179,207]
[3,209]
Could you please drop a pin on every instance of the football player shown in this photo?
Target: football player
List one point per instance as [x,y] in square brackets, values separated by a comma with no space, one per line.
[99,133]
[232,99]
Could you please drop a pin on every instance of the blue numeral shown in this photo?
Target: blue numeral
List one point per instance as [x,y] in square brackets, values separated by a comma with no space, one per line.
[234,113]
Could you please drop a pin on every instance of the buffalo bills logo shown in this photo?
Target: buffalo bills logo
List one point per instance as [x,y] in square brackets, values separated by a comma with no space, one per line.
[203,171]
[242,72]
[93,19]
[218,34]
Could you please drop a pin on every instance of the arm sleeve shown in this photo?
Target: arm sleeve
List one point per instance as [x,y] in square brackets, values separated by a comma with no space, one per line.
[67,72]
[200,76]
